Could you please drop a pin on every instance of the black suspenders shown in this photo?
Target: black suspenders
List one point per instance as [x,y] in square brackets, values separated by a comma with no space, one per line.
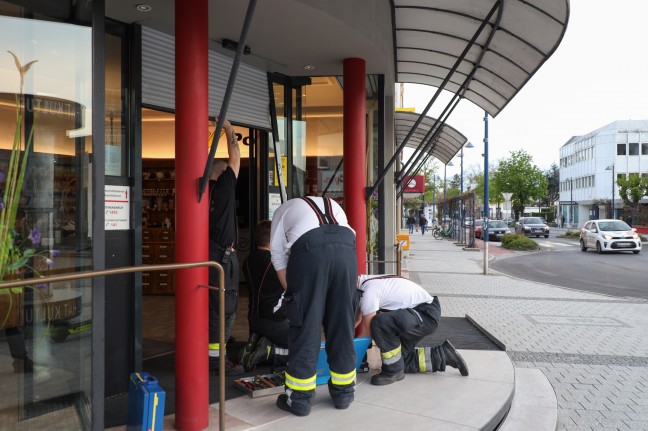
[381,278]
[325,217]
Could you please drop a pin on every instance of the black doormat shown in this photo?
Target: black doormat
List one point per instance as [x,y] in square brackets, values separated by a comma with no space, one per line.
[461,333]
[153,348]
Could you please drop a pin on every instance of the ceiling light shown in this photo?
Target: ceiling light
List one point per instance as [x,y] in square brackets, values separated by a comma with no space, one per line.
[143,8]
[309,67]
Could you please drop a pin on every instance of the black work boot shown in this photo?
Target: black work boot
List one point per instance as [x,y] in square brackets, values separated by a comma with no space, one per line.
[384,378]
[264,352]
[454,359]
[252,341]
[298,409]
[342,395]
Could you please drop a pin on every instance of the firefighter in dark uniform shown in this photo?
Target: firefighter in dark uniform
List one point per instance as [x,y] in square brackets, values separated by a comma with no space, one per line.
[313,251]
[397,313]
[268,340]
[222,243]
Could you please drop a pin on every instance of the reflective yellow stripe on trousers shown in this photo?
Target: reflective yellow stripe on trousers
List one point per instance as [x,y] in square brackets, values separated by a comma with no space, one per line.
[301,384]
[214,350]
[343,379]
[392,356]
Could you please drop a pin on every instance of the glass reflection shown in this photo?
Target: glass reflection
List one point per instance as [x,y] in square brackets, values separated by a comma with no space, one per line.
[45,330]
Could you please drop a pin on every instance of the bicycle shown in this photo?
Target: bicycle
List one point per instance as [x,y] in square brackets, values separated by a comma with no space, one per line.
[440,233]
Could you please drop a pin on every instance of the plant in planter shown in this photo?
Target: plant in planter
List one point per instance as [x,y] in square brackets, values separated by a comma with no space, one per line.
[18,253]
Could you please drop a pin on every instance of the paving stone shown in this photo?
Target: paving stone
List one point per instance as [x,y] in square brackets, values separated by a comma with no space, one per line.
[592,348]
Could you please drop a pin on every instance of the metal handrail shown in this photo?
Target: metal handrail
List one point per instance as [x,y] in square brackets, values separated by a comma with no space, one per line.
[399,254]
[149,268]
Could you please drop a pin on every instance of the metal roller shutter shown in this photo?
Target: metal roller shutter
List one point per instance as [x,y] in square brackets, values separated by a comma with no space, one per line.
[248,105]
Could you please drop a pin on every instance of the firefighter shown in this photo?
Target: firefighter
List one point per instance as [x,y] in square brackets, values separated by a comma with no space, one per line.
[223,233]
[268,340]
[397,313]
[313,251]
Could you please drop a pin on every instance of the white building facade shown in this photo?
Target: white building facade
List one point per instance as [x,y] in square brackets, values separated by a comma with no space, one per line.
[590,164]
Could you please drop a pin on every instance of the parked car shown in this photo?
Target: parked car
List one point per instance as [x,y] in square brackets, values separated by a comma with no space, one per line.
[532,226]
[478,227]
[609,235]
[496,230]
[468,221]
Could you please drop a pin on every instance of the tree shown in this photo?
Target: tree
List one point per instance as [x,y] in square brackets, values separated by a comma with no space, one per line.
[552,175]
[519,176]
[631,189]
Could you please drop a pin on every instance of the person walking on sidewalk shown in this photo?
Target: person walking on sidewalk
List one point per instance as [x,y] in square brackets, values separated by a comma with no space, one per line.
[411,221]
[397,313]
[268,340]
[423,223]
[314,253]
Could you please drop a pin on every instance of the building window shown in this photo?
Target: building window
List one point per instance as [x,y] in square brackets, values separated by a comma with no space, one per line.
[644,149]
[633,149]
[621,149]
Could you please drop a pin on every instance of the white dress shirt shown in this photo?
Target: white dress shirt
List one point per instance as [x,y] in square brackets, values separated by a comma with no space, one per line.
[293,219]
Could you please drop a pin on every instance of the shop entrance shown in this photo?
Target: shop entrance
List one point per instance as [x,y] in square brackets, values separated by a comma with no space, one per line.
[158,222]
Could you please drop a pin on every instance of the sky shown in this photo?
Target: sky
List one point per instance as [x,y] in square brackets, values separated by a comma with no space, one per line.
[598,74]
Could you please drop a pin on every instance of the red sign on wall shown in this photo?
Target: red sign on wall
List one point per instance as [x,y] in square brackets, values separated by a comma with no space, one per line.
[415,184]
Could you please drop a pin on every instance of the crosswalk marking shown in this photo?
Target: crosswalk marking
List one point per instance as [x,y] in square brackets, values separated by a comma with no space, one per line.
[551,244]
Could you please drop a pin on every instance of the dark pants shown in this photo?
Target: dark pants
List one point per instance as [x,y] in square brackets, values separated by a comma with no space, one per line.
[231,293]
[16,342]
[276,331]
[322,276]
[397,332]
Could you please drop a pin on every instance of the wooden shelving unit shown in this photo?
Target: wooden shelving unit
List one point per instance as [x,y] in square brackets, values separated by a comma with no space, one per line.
[158,222]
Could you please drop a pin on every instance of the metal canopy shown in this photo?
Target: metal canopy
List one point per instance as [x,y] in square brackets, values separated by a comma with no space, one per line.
[446,144]
[430,35]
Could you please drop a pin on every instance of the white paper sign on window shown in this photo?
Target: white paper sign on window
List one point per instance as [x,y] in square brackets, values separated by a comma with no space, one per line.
[117,204]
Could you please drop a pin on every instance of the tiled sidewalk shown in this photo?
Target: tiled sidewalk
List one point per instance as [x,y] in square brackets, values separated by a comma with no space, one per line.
[592,348]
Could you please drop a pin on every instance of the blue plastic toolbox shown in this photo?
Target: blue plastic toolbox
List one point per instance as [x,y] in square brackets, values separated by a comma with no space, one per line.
[145,403]
[323,372]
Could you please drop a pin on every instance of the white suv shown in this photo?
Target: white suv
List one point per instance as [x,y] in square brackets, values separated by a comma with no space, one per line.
[609,235]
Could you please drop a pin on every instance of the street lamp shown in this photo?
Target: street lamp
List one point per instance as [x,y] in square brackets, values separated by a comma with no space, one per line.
[571,200]
[463,215]
[611,168]
[445,191]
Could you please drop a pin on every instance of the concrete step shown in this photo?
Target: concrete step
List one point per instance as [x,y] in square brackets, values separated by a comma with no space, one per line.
[534,406]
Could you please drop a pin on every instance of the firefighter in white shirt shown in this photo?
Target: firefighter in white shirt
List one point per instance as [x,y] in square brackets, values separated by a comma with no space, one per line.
[397,313]
[313,251]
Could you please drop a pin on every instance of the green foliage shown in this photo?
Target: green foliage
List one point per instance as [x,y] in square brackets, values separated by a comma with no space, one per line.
[11,258]
[571,234]
[519,176]
[631,189]
[552,175]
[516,241]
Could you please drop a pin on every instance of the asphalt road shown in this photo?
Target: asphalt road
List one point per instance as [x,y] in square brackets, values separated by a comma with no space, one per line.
[561,262]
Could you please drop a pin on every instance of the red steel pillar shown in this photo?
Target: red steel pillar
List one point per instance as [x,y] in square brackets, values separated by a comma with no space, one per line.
[355,147]
[192,217]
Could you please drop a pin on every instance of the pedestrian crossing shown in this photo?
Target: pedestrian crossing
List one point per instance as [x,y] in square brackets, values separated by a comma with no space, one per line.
[557,245]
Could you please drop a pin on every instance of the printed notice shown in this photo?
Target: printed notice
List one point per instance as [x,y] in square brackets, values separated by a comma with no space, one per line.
[117,204]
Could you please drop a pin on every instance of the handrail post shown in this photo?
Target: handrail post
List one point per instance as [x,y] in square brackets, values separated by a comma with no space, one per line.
[399,256]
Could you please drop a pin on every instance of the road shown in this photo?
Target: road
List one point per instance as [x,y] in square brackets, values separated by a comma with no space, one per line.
[561,262]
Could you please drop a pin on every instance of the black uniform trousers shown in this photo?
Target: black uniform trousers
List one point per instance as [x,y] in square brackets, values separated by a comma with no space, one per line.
[232,276]
[276,331]
[397,332]
[321,276]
